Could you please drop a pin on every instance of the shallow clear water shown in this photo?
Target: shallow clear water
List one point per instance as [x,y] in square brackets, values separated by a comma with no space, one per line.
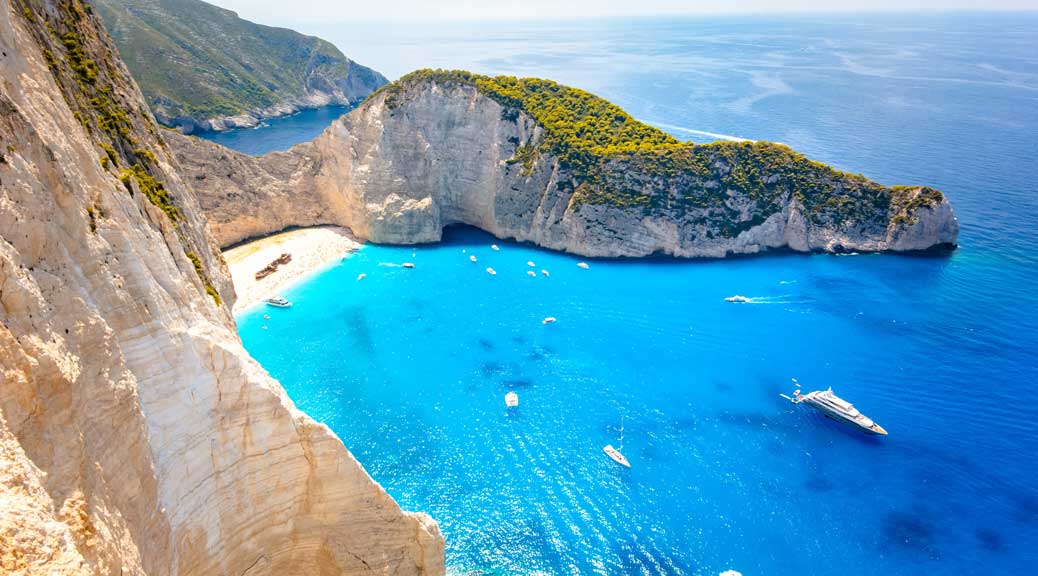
[410,367]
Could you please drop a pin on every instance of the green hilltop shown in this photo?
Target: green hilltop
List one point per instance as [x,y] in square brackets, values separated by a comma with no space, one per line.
[197,61]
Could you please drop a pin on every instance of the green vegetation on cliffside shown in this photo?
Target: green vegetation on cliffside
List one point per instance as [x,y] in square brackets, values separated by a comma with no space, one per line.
[618,161]
[96,88]
[195,61]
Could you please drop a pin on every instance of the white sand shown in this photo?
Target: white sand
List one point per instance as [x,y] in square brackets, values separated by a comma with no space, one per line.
[311,248]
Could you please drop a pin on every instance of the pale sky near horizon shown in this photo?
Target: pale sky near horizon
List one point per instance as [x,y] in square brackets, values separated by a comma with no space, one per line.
[287,13]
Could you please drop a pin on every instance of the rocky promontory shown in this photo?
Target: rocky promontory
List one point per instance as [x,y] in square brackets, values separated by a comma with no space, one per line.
[536,161]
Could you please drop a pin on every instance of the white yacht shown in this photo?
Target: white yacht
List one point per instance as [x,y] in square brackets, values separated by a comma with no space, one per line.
[408,264]
[583,265]
[549,320]
[473,258]
[278,302]
[616,455]
[837,409]
[737,298]
[491,271]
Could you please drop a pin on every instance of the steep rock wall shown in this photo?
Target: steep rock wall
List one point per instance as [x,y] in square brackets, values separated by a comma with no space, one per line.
[136,434]
[411,161]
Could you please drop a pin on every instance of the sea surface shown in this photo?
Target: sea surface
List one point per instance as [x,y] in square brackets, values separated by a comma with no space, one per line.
[410,366]
[278,134]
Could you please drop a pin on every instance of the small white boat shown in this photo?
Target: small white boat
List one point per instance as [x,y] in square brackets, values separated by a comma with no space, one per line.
[737,298]
[473,258]
[361,276]
[545,272]
[531,273]
[278,302]
[266,316]
[531,264]
[549,320]
[491,271]
[583,265]
[408,264]
[511,399]
[494,246]
[616,455]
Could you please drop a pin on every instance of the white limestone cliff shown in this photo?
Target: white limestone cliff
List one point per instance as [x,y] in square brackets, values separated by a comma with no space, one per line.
[137,436]
[399,172]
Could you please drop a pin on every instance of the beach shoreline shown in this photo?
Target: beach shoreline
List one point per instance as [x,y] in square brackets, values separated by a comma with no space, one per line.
[312,249]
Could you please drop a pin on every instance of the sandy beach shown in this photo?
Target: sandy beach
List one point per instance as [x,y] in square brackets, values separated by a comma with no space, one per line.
[311,250]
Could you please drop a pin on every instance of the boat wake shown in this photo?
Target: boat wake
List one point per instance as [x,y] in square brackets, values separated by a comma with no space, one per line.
[739,299]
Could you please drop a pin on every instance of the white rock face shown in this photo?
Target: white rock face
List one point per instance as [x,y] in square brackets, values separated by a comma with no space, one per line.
[444,155]
[137,436]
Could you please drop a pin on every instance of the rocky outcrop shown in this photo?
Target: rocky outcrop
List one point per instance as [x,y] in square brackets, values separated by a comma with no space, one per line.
[201,67]
[137,436]
[440,148]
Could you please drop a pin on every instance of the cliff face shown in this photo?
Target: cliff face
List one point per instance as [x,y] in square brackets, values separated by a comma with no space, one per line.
[434,150]
[203,68]
[136,434]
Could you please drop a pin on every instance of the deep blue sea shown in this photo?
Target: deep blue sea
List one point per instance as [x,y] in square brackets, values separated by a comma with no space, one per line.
[277,134]
[410,367]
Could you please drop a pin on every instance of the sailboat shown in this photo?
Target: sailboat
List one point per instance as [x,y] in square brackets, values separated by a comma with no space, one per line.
[615,453]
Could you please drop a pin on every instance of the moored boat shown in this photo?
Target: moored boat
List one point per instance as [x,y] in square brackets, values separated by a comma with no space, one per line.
[511,400]
[616,455]
[278,301]
[836,408]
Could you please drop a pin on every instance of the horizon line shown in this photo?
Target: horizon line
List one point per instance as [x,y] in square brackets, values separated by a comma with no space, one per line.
[675,14]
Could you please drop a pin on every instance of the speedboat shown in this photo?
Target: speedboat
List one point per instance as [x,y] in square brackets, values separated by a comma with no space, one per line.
[473,258]
[408,264]
[549,320]
[583,265]
[616,455]
[491,271]
[531,273]
[531,264]
[545,272]
[278,302]
[361,276]
[511,399]
[737,298]
[494,246]
[836,408]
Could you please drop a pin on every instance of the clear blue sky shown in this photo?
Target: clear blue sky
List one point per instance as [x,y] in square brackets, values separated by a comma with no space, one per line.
[280,12]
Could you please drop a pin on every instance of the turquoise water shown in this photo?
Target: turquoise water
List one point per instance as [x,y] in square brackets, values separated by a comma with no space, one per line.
[410,367]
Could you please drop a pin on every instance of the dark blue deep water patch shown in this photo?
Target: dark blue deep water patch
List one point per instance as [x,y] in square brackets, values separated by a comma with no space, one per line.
[410,367]
[278,134]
